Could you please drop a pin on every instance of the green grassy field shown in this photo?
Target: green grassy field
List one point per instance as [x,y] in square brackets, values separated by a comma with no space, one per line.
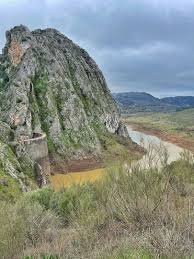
[178,122]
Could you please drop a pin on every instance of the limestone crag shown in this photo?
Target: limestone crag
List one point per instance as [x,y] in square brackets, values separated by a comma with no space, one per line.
[48,84]
[55,87]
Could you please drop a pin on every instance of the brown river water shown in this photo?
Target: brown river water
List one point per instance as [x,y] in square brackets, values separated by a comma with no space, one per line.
[63,180]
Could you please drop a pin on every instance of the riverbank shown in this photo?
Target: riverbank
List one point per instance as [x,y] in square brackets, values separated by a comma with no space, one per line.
[118,149]
[67,173]
[154,146]
[170,137]
[74,166]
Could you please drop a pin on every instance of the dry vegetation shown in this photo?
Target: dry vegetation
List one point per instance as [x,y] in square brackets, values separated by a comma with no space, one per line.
[136,213]
[179,122]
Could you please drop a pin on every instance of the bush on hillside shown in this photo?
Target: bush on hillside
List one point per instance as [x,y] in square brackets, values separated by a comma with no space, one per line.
[141,211]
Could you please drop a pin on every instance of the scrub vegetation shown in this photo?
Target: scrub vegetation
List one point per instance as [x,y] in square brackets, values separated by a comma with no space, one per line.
[130,213]
[181,122]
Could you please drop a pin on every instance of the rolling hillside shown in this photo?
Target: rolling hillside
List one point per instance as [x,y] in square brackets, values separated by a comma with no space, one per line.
[134,102]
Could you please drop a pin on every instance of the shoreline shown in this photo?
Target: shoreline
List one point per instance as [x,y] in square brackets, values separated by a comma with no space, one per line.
[75,166]
[164,135]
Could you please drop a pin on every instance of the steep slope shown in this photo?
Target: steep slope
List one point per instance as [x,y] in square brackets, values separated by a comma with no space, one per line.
[50,85]
[13,180]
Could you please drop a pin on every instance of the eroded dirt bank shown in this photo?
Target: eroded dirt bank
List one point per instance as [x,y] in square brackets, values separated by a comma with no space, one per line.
[75,166]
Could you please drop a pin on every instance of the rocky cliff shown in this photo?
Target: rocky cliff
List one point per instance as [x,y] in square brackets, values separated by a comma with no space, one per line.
[48,84]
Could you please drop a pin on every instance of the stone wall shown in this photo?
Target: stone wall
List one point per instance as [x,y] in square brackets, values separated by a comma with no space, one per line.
[37,149]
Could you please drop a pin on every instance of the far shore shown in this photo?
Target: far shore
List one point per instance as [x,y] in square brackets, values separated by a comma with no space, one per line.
[173,138]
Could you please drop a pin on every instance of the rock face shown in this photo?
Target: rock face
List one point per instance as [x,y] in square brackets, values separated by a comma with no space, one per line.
[50,85]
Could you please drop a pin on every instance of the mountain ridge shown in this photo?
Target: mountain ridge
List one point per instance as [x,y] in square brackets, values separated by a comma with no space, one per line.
[131,102]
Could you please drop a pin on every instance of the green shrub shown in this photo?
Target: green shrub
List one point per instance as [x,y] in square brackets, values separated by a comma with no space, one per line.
[42,257]
[132,254]
[134,213]
[41,196]
[72,202]
[24,225]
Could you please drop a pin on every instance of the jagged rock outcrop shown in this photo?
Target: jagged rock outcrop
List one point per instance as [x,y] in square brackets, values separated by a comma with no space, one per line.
[53,86]
[50,85]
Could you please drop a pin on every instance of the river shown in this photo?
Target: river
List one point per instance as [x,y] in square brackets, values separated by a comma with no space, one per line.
[156,147]
[155,144]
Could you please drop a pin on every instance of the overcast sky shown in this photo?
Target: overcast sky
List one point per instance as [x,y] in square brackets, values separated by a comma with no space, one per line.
[140,45]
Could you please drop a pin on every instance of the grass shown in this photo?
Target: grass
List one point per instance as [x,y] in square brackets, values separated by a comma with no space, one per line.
[117,150]
[136,213]
[9,187]
[181,122]
[42,257]
[132,254]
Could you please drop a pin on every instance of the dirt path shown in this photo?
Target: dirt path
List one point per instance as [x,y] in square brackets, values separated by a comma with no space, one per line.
[173,138]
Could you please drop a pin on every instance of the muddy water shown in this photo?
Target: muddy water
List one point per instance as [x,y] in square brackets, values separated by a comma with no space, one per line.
[157,146]
[63,180]
[145,140]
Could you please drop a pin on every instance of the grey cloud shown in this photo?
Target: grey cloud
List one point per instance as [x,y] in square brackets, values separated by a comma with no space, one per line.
[141,45]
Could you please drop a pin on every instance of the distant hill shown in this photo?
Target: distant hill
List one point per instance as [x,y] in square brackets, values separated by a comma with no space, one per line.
[132,98]
[134,102]
[182,101]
